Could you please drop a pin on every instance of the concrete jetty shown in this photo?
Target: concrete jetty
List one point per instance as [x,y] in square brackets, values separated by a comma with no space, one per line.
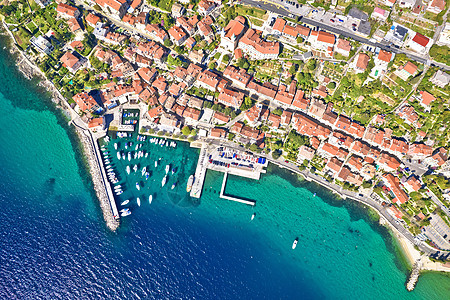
[228,161]
[200,173]
[223,196]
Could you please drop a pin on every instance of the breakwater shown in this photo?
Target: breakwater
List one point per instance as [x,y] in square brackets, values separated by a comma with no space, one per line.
[30,71]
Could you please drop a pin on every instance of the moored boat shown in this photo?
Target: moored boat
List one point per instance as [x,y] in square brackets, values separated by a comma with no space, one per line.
[150,199]
[128,170]
[135,168]
[253,216]
[167,168]
[156,163]
[126,213]
[138,201]
[129,156]
[144,169]
[163,182]
[173,186]
[190,183]
[125,202]
[138,187]
[115,146]
[118,155]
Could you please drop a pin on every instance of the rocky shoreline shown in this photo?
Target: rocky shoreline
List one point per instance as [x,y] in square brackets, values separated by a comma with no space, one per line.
[31,71]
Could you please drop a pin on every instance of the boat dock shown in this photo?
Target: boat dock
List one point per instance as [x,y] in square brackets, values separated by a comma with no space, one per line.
[223,196]
[109,192]
[228,161]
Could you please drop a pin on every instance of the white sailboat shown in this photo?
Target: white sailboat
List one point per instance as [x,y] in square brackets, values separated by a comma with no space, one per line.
[156,163]
[128,170]
[138,201]
[135,168]
[167,168]
[150,199]
[253,216]
[144,169]
[125,202]
[118,155]
[163,182]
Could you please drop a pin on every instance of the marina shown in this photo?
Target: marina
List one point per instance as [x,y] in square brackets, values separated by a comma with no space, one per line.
[227,161]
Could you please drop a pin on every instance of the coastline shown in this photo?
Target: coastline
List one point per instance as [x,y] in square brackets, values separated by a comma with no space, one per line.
[30,71]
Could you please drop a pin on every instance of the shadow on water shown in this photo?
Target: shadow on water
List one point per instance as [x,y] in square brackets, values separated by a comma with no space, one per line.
[357,211]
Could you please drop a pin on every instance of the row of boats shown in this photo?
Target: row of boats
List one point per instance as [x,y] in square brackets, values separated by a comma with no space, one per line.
[126,211]
[112,177]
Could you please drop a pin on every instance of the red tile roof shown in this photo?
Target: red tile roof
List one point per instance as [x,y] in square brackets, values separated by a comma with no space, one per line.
[421,39]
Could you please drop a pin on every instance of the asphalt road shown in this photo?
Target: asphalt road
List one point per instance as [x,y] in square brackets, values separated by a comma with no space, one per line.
[336,30]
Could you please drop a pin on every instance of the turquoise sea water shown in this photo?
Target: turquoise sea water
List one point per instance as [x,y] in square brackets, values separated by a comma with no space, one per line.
[54,243]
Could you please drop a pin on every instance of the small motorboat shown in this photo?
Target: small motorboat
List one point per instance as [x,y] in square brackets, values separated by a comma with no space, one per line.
[125,202]
[163,182]
[138,201]
[150,199]
[123,156]
[314,195]
[167,169]
[128,170]
[124,210]
[115,146]
[126,213]
[118,155]
[144,170]
[174,170]
[253,216]
[135,168]
[295,243]
[138,187]
[173,186]
[156,163]
[129,156]
[147,174]
[146,155]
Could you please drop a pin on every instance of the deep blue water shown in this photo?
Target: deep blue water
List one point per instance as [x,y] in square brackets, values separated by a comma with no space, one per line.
[54,243]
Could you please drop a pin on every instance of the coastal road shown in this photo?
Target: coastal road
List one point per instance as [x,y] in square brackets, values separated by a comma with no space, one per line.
[347,194]
[339,31]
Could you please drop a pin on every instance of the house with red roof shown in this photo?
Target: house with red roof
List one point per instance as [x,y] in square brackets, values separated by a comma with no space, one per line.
[360,63]
[231,98]
[156,32]
[393,183]
[205,7]
[86,102]
[419,43]
[67,11]
[208,80]
[278,26]
[425,99]
[114,8]
[412,184]
[333,166]
[219,133]
[406,71]
[71,62]
[322,41]
[343,47]
[381,59]
[177,35]
[220,118]
[238,76]
[438,159]
[436,6]
[155,112]
[92,20]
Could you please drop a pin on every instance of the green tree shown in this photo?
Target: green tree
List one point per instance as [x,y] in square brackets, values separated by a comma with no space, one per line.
[168,43]
[253,147]
[186,130]
[332,85]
